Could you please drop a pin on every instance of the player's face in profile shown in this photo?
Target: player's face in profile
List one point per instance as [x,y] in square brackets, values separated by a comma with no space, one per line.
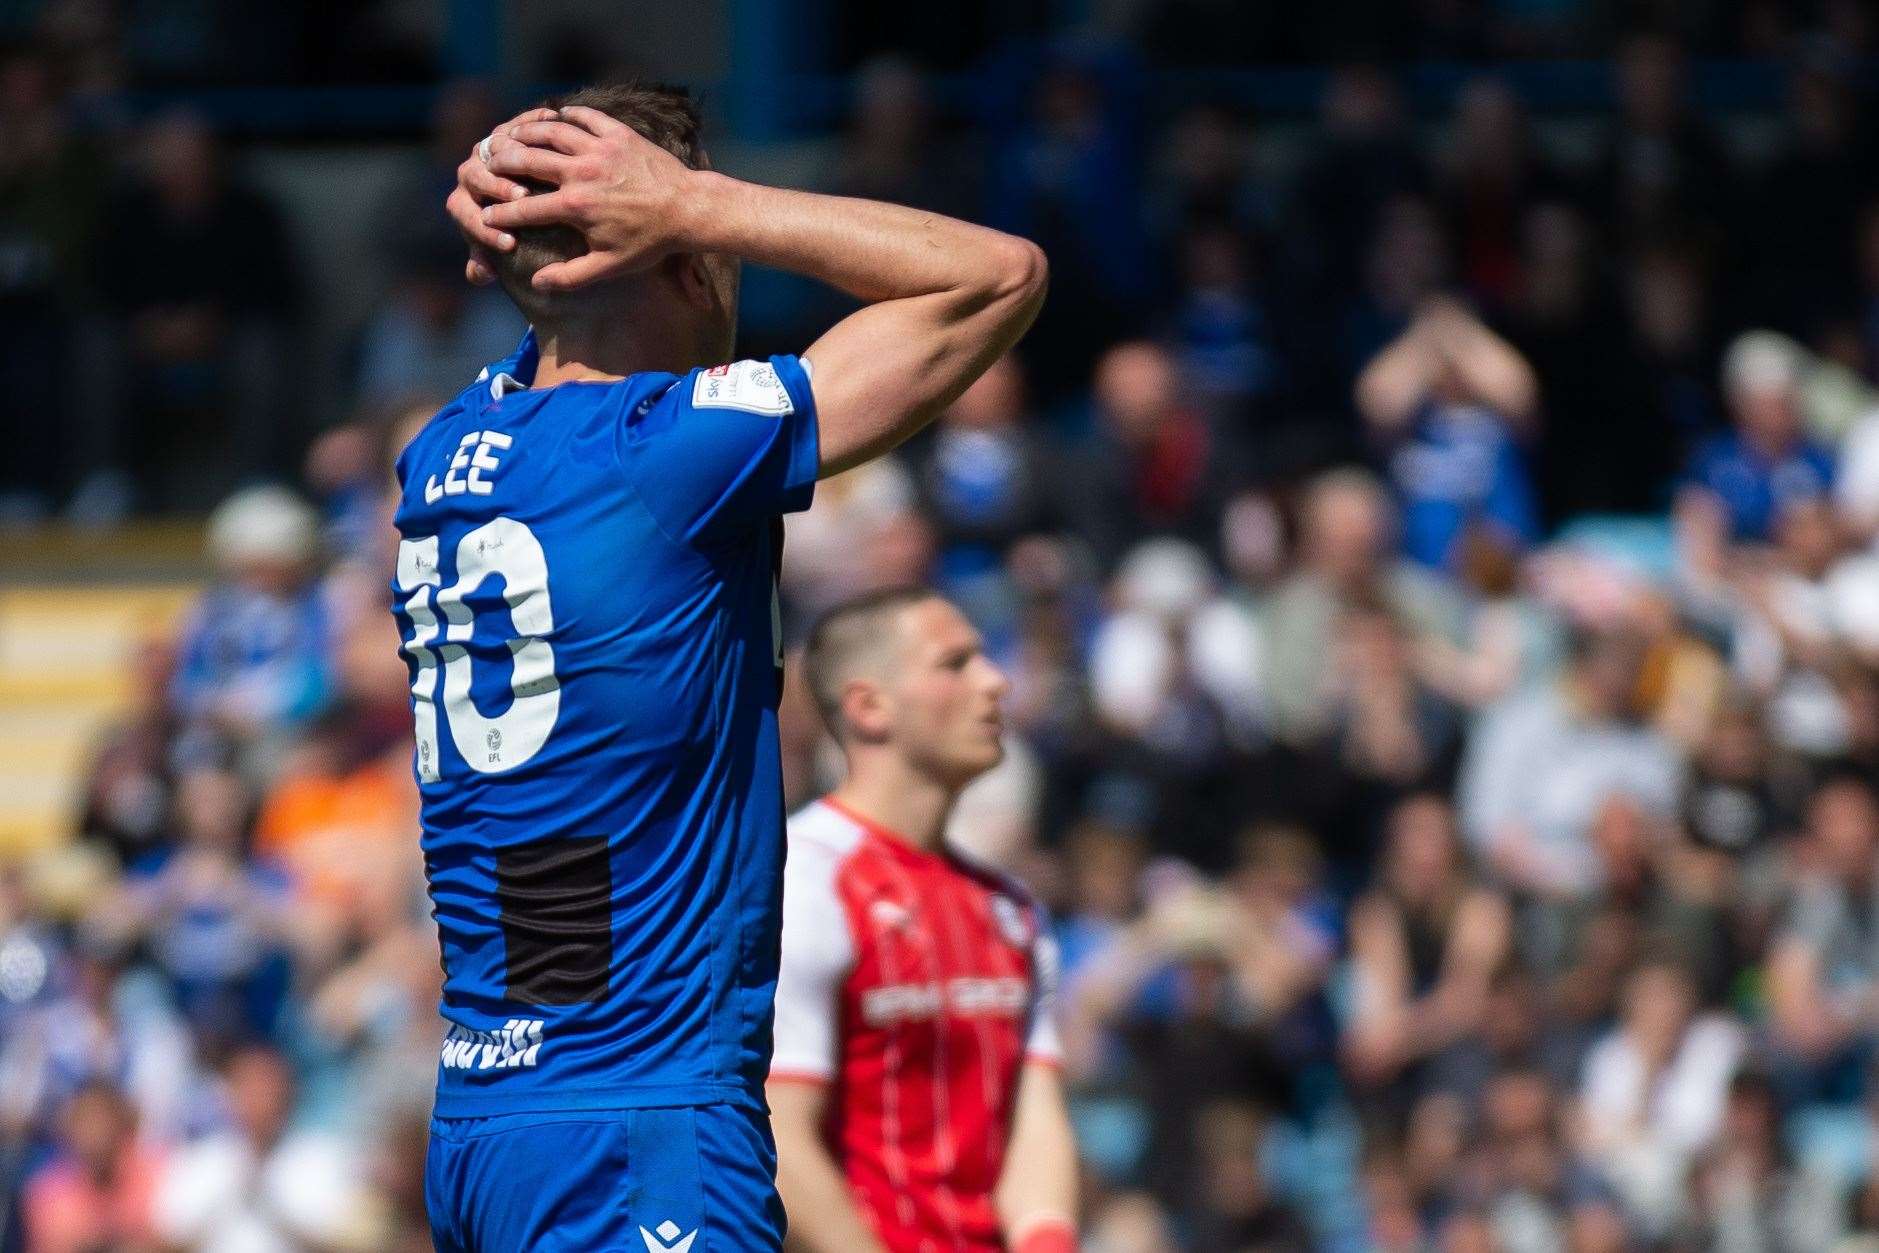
[947,695]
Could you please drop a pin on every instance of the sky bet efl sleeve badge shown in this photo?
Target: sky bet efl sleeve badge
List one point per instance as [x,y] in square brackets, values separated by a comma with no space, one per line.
[748,385]
[1011,921]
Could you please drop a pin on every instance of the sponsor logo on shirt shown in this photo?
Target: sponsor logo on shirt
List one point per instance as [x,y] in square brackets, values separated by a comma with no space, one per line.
[1006,995]
[517,1044]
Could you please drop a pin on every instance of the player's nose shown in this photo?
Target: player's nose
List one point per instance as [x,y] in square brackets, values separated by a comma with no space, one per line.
[996,681]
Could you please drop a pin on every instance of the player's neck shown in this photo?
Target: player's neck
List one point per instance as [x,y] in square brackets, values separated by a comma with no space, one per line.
[907,804]
[587,352]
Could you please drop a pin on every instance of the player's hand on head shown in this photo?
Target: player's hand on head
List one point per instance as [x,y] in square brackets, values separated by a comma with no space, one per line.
[478,185]
[612,184]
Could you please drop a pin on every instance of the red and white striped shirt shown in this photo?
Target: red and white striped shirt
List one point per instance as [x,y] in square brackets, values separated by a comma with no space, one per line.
[916,985]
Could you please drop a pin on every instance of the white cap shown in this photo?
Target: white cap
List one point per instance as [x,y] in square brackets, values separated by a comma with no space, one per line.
[1169,578]
[262,524]
[1761,361]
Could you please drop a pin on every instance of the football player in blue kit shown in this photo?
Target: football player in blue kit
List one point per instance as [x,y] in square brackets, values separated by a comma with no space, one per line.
[586,589]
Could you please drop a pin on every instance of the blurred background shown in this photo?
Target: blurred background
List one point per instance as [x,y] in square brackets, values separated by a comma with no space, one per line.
[1431,534]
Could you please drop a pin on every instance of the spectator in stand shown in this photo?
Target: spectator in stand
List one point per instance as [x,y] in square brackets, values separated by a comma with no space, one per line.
[1390,731]
[1491,174]
[1207,178]
[128,789]
[1669,301]
[1214,992]
[100,1028]
[260,1185]
[894,149]
[432,332]
[1661,173]
[196,272]
[1803,212]
[96,1193]
[1606,442]
[339,820]
[1405,265]
[217,925]
[1738,802]
[981,476]
[1748,1192]
[1823,961]
[462,113]
[1426,941]
[1448,403]
[1521,1186]
[1152,466]
[1067,178]
[835,546]
[253,658]
[1234,1206]
[1802,607]
[1346,532]
[1175,666]
[1542,767]
[1653,1095]
[1221,330]
[1767,461]
[1363,161]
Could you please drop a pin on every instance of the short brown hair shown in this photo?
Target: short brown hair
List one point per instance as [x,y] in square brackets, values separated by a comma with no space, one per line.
[849,631]
[664,114]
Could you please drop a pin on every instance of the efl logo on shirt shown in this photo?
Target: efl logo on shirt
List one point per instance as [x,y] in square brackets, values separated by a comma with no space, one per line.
[748,385]
[518,1044]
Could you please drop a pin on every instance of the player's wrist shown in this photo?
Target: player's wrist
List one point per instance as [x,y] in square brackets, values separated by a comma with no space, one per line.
[701,207]
[1052,1234]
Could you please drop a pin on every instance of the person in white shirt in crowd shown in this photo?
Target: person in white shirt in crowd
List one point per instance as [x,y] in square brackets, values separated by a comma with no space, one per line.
[1652,1094]
[260,1185]
[1541,766]
[1172,632]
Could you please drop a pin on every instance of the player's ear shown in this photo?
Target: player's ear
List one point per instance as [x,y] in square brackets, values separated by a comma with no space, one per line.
[864,710]
[693,279]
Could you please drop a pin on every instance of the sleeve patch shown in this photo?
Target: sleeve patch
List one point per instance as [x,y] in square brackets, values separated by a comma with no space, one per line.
[748,385]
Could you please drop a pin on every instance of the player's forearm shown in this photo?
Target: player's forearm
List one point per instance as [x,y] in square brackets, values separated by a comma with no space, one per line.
[1036,1195]
[871,250]
[822,1214]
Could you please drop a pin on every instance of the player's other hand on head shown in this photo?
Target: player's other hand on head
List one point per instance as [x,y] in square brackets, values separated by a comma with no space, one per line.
[619,189]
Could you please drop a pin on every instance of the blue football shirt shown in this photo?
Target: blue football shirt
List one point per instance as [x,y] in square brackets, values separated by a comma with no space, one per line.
[586,587]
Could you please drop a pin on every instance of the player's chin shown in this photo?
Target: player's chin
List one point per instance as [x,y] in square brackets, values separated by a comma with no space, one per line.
[971,756]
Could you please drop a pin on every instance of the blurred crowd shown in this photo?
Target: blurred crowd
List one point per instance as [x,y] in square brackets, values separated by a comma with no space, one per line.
[1439,578]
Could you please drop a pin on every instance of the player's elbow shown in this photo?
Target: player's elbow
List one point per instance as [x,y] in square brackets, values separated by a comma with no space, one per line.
[1021,273]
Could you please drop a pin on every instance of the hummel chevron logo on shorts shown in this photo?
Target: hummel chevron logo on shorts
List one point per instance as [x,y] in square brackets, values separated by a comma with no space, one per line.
[518,1044]
[663,1240]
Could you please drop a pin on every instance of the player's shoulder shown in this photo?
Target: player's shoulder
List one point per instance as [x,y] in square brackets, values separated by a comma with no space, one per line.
[818,832]
[1007,892]
[764,388]
[817,871]
[993,879]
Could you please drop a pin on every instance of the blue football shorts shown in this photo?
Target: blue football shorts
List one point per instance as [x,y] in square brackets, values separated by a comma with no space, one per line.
[686,1180]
